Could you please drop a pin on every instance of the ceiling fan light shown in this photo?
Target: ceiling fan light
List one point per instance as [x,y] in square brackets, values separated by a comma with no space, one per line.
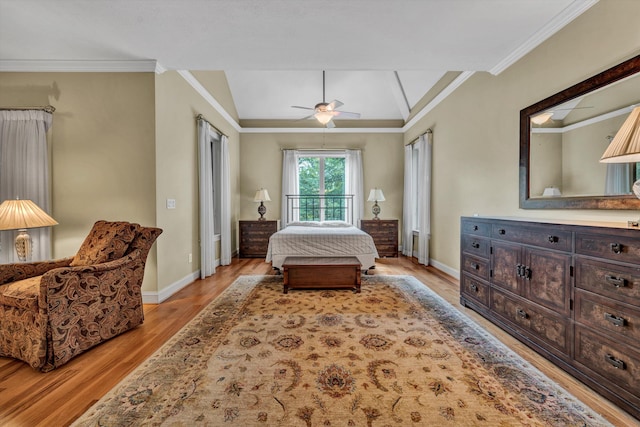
[323,117]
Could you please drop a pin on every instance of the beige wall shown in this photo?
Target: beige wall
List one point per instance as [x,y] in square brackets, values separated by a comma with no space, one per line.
[475,144]
[261,166]
[177,105]
[102,149]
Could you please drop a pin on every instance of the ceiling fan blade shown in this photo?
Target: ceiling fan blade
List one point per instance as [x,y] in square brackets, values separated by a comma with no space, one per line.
[347,115]
[304,108]
[330,124]
[335,104]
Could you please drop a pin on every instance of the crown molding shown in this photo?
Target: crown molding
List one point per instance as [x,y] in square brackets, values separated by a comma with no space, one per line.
[106,66]
[571,12]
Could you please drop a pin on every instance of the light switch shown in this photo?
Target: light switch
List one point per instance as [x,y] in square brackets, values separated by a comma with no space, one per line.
[171,203]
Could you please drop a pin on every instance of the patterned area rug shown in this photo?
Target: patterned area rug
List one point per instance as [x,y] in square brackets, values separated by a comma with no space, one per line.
[395,355]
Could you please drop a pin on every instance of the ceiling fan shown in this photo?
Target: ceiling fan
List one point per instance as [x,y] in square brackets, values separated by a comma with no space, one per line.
[325,112]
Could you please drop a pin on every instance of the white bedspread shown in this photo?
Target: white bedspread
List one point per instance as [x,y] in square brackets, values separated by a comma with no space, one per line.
[321,239]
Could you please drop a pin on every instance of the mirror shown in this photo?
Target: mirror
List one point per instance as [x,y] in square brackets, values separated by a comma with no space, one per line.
[563,137]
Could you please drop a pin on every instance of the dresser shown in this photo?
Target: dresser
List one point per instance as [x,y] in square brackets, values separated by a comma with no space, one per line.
[384,233]
[570,291]
[254,238]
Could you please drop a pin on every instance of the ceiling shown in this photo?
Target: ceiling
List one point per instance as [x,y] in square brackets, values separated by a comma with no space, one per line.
[380,57]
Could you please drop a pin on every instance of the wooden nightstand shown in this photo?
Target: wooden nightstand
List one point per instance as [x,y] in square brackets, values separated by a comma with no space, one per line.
[384,233]
[254,238]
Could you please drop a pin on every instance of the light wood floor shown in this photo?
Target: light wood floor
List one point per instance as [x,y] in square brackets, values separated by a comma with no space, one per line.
[30,398]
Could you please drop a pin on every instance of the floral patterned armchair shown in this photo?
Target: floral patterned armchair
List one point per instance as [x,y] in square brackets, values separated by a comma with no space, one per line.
[52,311]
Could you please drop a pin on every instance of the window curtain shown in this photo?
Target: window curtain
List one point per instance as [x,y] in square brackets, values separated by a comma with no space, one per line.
[289,184]
[618,179]
[353,183]
[424,196]
[225,200]
[206,198]
[24,174]
[408,205]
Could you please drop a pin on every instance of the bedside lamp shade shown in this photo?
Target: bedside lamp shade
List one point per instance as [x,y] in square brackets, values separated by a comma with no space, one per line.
[21,215]
[261,196]
[375,195]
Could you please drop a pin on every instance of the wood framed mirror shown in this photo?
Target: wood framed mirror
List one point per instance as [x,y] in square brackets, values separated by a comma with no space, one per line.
[563,136]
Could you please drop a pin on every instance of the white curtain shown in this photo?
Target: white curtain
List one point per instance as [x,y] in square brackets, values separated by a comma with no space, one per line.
[408,205]
[24,174]
[618,179]
[353,183]
[289,183]
[206,198]
[225,200]
[424,196]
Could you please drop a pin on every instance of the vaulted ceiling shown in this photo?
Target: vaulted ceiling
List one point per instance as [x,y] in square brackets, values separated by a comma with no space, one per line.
[380,57]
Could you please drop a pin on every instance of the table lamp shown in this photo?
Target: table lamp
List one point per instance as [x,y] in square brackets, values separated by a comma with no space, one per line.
[21,215]
[261,196]
[375,195]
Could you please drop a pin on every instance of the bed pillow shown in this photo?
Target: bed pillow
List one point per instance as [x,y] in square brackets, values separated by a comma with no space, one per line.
[328,224]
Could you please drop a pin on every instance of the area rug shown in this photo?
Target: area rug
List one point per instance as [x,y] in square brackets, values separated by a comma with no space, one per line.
[394,355]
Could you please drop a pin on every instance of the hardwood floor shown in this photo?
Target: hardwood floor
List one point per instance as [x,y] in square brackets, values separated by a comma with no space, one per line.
[31,398]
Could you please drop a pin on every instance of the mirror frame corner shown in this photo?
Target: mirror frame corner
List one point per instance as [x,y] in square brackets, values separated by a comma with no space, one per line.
[618,72]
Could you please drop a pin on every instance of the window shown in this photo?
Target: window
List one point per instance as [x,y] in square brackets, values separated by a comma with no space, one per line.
[322,175]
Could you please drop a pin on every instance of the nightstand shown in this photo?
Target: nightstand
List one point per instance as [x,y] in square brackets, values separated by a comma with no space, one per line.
[254,238]
[384,233]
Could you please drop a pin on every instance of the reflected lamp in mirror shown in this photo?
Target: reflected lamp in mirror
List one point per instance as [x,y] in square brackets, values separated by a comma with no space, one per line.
[551,192]
[375,195]
[21,215]
[541,118]
[261,196]
[625,147]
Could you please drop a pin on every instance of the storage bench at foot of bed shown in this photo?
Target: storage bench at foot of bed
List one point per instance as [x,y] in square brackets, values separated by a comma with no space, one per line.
[321,272]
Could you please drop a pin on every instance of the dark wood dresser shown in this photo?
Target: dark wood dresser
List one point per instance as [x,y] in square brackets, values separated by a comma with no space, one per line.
[569,291]
[254,238]
[384,233]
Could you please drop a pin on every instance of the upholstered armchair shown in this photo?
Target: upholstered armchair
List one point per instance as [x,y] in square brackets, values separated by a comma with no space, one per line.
[52,311]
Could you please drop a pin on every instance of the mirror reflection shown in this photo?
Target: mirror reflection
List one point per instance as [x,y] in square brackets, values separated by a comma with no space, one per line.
[568,139]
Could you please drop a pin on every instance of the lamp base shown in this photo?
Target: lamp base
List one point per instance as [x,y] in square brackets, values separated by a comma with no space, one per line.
[23,245]
[262,209]
[375,210]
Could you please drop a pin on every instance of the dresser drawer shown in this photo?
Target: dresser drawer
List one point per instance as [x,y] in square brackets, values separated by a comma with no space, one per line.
[543,325]
[613,318]
[544,237]
[476,245]
[476,266]
[475,289]
[613,247]
[614,281]
[616,362]
[475,227]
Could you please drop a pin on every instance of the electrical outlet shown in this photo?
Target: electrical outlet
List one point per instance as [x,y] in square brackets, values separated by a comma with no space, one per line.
[171,203]
[190,259]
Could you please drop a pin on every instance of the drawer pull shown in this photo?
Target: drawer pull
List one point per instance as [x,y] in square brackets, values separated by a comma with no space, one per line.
[521,313]
[615,320]
[616,363]
[475,228]
[553,239]
[527,273]
[618,282]
[616,248]
[519,270]
[502,231]
[475,245]
[474,287]
[475,266]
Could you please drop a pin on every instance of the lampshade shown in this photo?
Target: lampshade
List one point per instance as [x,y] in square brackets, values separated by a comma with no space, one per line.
[551,192]
[22,214]
[625,146]
[262,195]
[375,195]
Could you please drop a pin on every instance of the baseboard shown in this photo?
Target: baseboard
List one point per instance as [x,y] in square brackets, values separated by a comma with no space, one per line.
[445,268]
[152,297]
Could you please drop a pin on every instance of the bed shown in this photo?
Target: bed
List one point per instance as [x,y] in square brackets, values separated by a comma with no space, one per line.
[328,237]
